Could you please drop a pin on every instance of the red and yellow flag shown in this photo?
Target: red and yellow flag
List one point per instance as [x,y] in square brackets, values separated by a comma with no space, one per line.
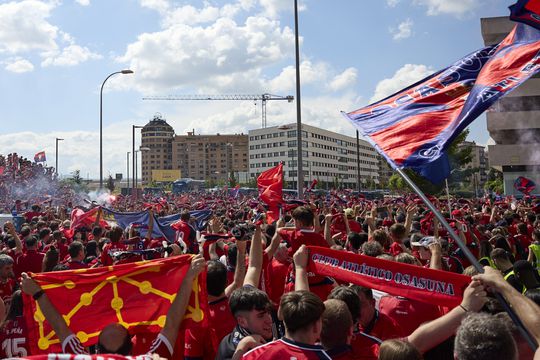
[136,295]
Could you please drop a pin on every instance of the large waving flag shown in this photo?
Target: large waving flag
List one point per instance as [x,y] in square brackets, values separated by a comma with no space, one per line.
[270,184]
[162,225]
[40,157]
[415,126]
[136,295]
[526,11]
[524,185]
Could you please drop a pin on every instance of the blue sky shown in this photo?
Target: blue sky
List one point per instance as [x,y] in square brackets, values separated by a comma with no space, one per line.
[55,54]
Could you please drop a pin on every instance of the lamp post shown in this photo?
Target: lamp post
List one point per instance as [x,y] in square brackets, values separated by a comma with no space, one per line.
[300,183]
[127,71]
[357,161]
[127,165]
[229,165]
[134,182]
[56,156]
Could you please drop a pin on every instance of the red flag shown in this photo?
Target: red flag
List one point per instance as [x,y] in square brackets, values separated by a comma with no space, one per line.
[79,218]
[270,184]
[136,295]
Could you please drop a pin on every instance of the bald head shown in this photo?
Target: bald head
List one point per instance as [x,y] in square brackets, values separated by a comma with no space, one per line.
[114,339]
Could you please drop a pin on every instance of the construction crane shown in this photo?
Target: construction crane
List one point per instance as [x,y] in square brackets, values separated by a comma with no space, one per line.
[263,98]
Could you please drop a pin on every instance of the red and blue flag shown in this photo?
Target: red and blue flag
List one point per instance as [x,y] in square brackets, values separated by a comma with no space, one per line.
[413,127]
[526,11]
[40,157]
[524,185]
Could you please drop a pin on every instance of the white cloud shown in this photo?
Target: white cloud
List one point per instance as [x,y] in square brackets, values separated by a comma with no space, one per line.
[83,2]
[392,3]
[407,75]
[344,80]
[69,56]
[458,8]
[19,65]
[403,31]
[24,27]
[176,57]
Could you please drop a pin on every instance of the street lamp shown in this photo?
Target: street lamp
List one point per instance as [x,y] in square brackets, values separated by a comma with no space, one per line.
[56,155]
[134,183]
[228,158]
[127,164]
[101,124]
[300,184]
[142,149]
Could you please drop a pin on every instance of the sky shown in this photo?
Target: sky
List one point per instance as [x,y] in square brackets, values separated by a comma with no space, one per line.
[55,55]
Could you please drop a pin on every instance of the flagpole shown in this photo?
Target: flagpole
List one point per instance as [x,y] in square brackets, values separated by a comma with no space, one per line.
[472,259]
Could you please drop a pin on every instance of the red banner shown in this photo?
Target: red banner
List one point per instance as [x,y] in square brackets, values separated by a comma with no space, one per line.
[434,286]
[270,184]
[136,295]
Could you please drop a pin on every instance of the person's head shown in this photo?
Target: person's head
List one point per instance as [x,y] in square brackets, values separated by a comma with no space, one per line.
[499,242]
[92,248]
[484,337]
[350,298]
[97,232]
[367,303]
[44,235]
[337,324]
[303,216]
[526,274]
[423,246]
[522,228]
[398,350]
[116,233]
[470,271]
[485,248]
[357,240]
[76,251]
[381,237]
[406,258]
[372,248]
[501,259]
[25,231]
[216,278]
[536,235]
[398,232]
[114,339]
[50,260]
[301,313]
[251,308]
[31,242]
[15,308]
[185,216]
[534,295]
[6,267]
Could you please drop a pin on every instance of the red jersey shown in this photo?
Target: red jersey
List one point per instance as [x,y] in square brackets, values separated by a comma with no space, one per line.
[275,276]
[287,349]
[395,249]
[354,226]
[365,347]
[409,314]
[108,249]
[298,237]
[6,290]
[383,327]
[31,261]
[222,321]
[75,265]
[14,339]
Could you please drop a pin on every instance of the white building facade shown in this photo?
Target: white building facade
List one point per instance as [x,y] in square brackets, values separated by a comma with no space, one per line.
[328,157]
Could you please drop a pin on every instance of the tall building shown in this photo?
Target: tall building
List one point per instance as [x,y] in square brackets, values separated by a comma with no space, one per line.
[327,156]
[513,122]
[479,161]
[200,157]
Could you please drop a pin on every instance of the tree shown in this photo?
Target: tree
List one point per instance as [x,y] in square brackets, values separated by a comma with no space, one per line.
[495,181]
[110,183]
[76,177]
[232,179]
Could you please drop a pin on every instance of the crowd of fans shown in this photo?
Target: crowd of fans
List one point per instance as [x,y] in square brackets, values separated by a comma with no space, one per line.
[263,302]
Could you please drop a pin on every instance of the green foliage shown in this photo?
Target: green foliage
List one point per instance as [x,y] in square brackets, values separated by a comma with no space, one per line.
[76,182]
[232,179]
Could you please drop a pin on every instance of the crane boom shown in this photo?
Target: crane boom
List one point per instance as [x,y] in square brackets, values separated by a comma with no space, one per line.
[263,98]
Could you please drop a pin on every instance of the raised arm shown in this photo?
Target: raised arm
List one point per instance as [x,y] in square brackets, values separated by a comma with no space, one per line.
[526,309]
[15,236]
[57,322]
[150,224]
[431,334]
[411,210]
[254,270]
[327,230]
[239,270]
[176,312]
[436,256]
[300,265]
[276,239]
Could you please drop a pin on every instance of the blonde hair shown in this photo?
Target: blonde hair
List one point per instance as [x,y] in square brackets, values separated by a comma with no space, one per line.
[398,350]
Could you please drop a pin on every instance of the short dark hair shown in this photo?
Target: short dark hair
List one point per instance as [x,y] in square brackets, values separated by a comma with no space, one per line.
[216,278]
[185,216]
[44,232]
[74,248]
[499,254]
[299,309]
[368,293]
[31,241]
[357,239]
[97,231]
[349,297]
[304,215]
[115,234]
[398,230]
[248,298]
